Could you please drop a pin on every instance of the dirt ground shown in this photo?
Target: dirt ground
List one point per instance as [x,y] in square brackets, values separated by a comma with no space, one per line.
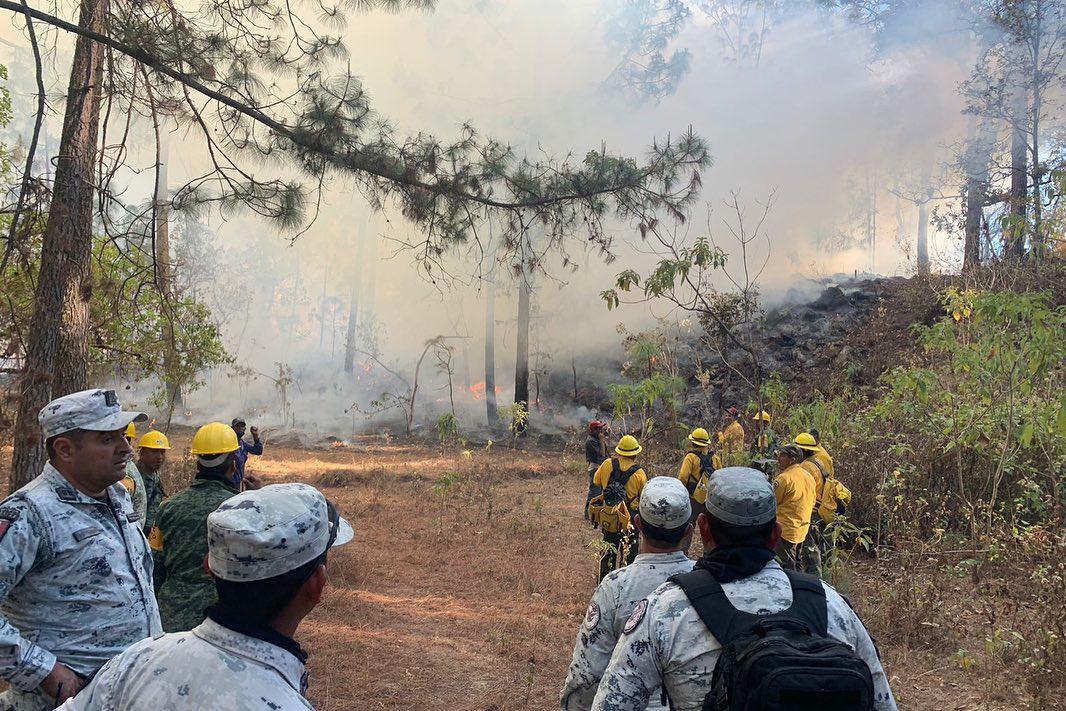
[469,576]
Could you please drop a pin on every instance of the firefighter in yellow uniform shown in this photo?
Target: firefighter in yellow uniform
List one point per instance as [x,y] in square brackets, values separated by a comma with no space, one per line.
[835,496]
[697,467]
[133,481]
[731,438]
[796,498]
[764,444]
[614,498]
[817,463]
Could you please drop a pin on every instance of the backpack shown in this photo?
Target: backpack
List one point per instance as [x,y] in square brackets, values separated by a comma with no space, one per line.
[781,661]
[610,510]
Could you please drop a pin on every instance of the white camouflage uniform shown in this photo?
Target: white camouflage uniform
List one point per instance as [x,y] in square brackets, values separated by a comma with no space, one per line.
[208,667]
[611,606]
[75,581]
[664,506]
[671,645]
[256,535]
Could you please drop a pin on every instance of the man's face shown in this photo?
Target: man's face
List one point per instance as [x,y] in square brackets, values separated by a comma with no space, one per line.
[152,459]
[96,460]
[239,428]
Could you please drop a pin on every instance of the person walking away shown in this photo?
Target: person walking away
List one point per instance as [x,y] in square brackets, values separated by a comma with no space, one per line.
[132,481]
[672,640]
[179,542]
[267,553]
[614,498]
[794,491]
[256,448]
[811,551]
[731,437]
[763,443]
[75,569]
[696,467]
[665,529]
[595,453]
[151,455]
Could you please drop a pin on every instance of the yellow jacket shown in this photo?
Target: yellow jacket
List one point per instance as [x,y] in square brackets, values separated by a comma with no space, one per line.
[693,479]
[833,492]
[732,437]
[823,458]
[634,486]
[811,467]
[794,491]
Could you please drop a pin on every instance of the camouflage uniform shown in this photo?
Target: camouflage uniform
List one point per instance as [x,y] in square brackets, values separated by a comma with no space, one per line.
[611,605]
[223,663]
[179,543]
[154,495]
[670,645]
[210,667]
[76,583]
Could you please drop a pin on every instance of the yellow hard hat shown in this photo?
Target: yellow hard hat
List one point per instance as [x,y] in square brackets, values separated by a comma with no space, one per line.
[131,430]
[214,438]
[763,415]
[154,440]
[628,446]
[806,441]
[700,437]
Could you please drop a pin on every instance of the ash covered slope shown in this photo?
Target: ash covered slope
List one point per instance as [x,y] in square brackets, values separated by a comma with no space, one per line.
[851,333]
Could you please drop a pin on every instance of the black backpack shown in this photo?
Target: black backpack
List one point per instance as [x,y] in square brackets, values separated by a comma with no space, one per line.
[781,661]
[615,491]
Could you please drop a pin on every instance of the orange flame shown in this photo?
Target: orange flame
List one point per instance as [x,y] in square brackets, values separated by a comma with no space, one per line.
[477,390]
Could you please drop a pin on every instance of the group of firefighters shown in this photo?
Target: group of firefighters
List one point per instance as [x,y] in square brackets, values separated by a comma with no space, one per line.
[809,496]
[747,625]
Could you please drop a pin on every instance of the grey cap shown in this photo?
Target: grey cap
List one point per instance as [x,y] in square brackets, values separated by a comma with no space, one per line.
[664,503]
[96,410]
[741,496]
[267,532]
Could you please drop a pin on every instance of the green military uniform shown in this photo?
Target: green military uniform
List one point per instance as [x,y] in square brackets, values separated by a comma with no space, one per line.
[179,543]
[154,494]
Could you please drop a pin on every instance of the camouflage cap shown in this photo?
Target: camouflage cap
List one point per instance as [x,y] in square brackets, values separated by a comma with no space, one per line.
[664,503]
[267,532]
[96,410]
[741,496]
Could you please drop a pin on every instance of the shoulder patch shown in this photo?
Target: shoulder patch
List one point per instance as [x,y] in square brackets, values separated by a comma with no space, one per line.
[592,617]
[636,616]
[8,515]
[155,539]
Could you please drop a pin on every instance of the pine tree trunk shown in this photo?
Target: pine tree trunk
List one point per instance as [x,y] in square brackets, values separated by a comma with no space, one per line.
[980,139]
[165,277]
[57,351]
[1019,180]
[491,413]
[353,302]
[521,372]
[923,226]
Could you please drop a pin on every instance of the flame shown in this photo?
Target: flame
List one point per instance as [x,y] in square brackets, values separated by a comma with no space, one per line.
[188,414]
[339,443]
[477,390]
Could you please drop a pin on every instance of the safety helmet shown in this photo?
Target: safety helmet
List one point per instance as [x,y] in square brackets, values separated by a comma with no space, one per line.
[154,440]
[806,440]
[628,446]
[131,431]
[762,415]
[214,438]
[699,437]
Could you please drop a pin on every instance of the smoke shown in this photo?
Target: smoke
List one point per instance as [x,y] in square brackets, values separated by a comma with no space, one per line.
[829,114]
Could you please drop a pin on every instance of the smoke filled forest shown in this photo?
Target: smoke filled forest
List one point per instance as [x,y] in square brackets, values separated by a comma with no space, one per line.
[421,245]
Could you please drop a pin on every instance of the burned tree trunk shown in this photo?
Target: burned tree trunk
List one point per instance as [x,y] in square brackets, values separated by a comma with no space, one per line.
[978,158]
[165,280]
[923,225]
[521,372]
[349,336]
[491,413]
[57,351]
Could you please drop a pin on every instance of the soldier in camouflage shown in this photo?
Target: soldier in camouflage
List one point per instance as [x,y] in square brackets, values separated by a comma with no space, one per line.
[151,455]
[267,553]
[75,569]
[665,527]
[665,642]
[178,539]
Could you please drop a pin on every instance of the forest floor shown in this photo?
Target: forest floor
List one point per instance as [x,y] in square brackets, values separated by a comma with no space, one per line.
[470,573]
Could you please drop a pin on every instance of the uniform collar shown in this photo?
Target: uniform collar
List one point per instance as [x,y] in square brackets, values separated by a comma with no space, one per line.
[283,662]
[67,493]
[202,480]
[675,557]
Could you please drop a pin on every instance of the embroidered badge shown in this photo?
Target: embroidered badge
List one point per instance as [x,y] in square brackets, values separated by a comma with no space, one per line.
[636,617]
[592,617]
[7,517]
